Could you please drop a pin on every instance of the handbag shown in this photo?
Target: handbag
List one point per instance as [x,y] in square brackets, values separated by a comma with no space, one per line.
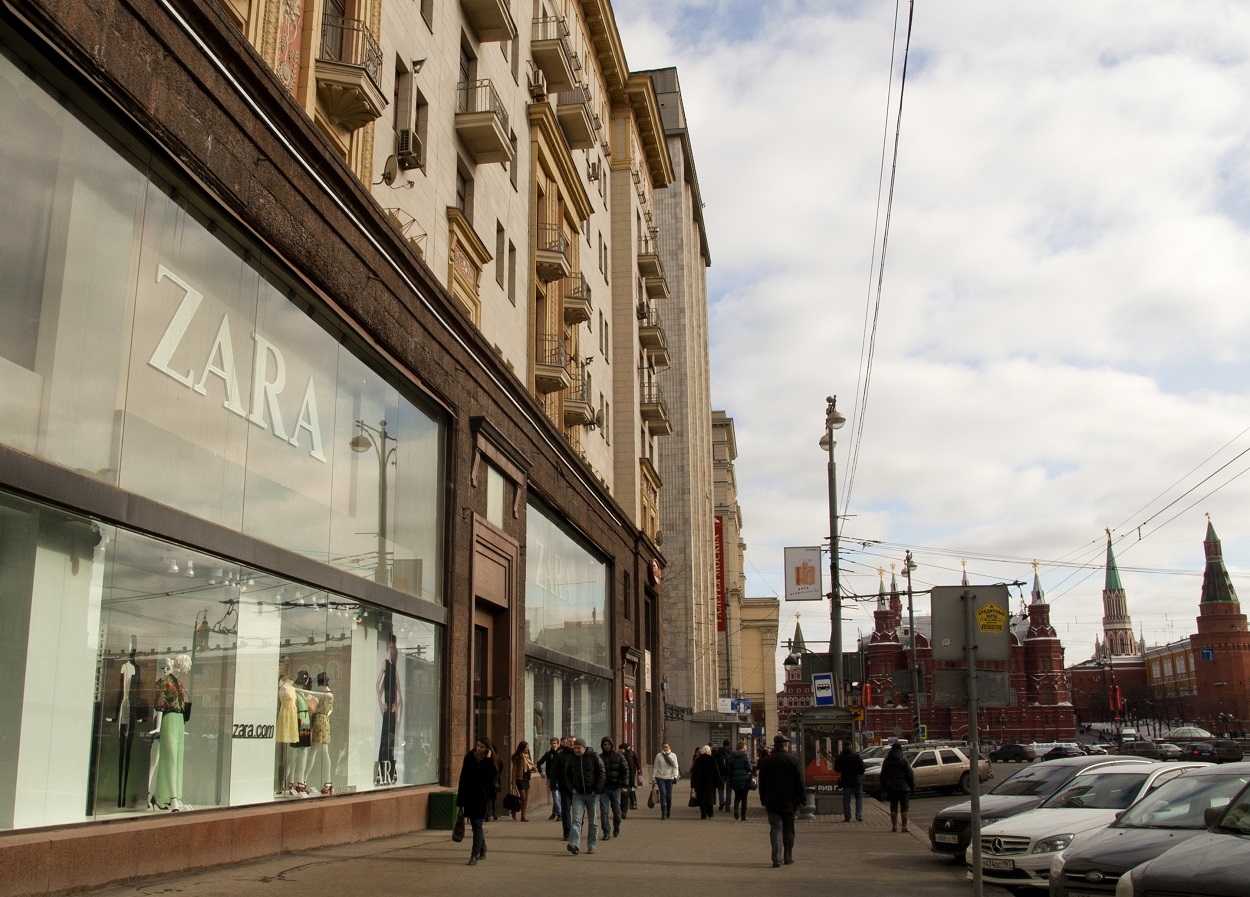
[694,798]
[512,802]
[186,711]
[753,782]
[651,797]
[457,828]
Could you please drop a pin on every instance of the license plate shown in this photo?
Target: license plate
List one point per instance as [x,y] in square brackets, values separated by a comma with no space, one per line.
[944,838]
[998,865]
[1072,893]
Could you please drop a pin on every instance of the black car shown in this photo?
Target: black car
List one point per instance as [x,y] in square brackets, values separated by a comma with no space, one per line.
[1170,815]
[1227,751]
[949,833]
[1200,751]
[1060,751]
[1214,863]
[1012,753]
[1141,749]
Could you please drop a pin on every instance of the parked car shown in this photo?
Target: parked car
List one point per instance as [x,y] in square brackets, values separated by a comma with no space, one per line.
[1098,750]
[1141,749]
[936,769]
[1170,815]
[1168,751]
[1024,790]
[1013,753]
[1201,751]
[1227,751]
[1017,852]
[1214,863]
[1063,750]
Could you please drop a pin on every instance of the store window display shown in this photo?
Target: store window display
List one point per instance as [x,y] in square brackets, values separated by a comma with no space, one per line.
[173,708]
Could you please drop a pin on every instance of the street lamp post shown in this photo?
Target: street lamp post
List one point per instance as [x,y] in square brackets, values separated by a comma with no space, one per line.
[367,438]
[908,566]
[834,420]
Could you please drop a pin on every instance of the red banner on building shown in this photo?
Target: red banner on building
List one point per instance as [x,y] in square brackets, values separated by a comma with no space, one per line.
[720,574]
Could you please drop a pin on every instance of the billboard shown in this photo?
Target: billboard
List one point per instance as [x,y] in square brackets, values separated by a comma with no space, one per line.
[803,579]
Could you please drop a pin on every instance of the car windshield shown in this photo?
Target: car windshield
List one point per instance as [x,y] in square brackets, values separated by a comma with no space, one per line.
[1108,791]
[1034,781]
[1237,817]
[1181,802]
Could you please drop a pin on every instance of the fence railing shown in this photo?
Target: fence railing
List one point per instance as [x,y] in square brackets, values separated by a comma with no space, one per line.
[350,42]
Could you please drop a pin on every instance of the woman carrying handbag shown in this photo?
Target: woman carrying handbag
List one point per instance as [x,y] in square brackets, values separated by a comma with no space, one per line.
[518,798]
[477,781]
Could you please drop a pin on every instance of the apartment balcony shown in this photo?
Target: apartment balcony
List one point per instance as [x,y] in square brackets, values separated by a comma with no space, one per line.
[651,339]
[573,113]
[551,360]
[349,65]
[552,54]
[654,411]
[490,19]
[576,299]
[656,286]
[551,254]
[649,256]
[579,410]
[482,122]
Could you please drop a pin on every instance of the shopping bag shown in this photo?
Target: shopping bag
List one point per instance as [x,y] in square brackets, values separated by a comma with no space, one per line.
[652,797]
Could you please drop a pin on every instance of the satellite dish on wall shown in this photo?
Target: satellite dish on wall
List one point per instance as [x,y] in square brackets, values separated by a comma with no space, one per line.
[390,170]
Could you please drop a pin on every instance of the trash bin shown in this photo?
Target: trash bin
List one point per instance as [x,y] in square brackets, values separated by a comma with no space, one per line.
[444,807]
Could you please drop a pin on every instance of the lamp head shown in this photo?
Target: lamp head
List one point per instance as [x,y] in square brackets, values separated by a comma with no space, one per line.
[834,419]
[359,443]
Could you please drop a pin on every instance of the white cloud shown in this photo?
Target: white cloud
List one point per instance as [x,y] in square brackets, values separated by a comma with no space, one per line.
[1063,321]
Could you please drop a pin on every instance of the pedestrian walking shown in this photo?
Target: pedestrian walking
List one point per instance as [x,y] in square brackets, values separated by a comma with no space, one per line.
[584,777]
[615,776]
[564,756]
[850,769]
[492,808]
[705,781]
[477,778]
[782,792]
[522,768]
[898,782]
[721,755]
[553,779]
[665,770]
[740,772]
[629,794]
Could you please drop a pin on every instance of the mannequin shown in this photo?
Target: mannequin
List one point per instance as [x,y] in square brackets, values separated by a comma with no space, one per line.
[165,787]
[300,748]
[321,732]
[126,711]
[390,701]
[540,725]
[286,733]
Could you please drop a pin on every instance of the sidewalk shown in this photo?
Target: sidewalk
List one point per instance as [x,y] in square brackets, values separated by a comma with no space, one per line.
[682,856]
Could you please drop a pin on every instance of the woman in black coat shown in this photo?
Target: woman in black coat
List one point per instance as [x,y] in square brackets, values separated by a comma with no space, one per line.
[477,786]
[705,779]
[898,781]
[740,779]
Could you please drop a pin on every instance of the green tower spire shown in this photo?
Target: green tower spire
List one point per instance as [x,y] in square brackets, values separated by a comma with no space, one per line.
[1113,572]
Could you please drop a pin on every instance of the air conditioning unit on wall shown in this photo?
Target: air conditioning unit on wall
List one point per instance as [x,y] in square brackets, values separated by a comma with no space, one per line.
[538,84]
[408,149]
[593,171]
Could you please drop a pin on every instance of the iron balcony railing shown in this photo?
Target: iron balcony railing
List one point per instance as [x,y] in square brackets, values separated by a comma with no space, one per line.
[551,351]
[350,42]
[481,96]
[649,244]
[579,389]
[577,287]
[551,238]
[651,395]
[575,97]
[552,28]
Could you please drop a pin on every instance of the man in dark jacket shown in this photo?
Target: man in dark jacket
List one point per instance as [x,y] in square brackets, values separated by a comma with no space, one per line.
[721,755]
[850,769]
[898,781]
[782,792]
[583,778]
[615,777]
[555,774]
[548,768]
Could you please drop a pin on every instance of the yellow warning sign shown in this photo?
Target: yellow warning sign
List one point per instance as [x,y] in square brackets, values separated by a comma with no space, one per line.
[991,618]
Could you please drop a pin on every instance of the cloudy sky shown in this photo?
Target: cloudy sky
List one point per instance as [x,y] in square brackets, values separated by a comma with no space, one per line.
[1060,341]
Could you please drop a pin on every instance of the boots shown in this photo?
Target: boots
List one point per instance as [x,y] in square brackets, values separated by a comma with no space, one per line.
[525,805]
[904,820]
[789,857]
[893,821]
[479,847]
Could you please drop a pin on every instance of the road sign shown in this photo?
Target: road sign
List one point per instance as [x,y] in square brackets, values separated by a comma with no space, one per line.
[923,732]
[822,688]
[992,635]
[857,713]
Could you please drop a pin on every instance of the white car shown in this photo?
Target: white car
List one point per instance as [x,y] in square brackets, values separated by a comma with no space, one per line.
[1016,852]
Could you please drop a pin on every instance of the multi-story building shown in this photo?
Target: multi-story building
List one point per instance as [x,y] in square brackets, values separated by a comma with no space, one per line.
[1221,647]
[322,357]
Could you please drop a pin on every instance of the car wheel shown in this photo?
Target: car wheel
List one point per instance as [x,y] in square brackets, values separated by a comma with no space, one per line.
[965,783]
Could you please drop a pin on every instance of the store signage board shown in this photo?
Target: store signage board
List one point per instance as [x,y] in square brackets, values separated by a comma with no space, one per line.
[803,579]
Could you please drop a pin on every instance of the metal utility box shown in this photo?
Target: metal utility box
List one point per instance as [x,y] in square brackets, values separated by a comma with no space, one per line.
[444,808]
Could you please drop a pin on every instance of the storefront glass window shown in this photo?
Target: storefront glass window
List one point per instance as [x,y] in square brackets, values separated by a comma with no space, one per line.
[565,592]
[147,675]
[562,702]
[141,345]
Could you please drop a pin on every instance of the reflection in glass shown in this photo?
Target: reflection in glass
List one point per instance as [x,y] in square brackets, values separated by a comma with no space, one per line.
[572,703]
[565,592]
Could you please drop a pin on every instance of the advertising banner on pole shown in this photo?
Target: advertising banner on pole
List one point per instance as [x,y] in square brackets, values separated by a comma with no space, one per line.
[803,578]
